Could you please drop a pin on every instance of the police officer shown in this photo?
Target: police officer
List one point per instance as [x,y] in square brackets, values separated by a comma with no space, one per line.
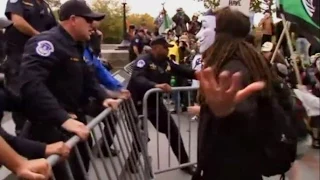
[30,17]
[154,70]
[4,23]
[136,45]
[96,39]
[56,82]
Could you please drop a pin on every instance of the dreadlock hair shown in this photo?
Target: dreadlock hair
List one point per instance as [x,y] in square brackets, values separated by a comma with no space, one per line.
[232,27]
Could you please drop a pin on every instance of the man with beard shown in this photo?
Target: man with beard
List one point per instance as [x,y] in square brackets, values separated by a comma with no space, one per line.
[154,70]
[231,128]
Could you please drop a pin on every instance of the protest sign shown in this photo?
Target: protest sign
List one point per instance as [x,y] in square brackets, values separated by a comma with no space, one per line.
[241,5]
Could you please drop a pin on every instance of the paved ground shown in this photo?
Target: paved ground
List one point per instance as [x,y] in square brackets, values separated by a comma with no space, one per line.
[305,169]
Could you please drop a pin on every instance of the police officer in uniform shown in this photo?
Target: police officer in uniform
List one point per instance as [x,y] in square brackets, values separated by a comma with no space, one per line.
[136,45]
[55,82]
[154,70]
[4,23]
[30,17]
[96,39]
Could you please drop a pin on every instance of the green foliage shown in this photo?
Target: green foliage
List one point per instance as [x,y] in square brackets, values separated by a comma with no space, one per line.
[141,19]
[112,25]
[212,4]
[54,3]
[56,14]
[255,6]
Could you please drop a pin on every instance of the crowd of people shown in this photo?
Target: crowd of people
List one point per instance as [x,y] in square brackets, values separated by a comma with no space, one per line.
[253,113]
[192,50]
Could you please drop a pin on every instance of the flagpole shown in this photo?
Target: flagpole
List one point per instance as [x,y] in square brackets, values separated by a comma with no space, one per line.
[289,41]
[278,45]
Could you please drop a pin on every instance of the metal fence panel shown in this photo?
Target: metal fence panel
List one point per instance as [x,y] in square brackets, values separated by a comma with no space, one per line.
[131,163]
[129,67]
[180,131]
[122,76]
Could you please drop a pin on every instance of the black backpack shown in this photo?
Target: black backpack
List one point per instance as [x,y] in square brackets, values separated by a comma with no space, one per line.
[278,138]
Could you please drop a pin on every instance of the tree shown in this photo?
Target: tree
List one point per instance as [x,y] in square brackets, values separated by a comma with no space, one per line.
[141,19]
[56,14]
[255,6]
[112,25]
[54,3]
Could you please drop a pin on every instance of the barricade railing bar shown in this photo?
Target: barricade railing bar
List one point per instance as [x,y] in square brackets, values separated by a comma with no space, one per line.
[177,126]
[132,163]
[129,67]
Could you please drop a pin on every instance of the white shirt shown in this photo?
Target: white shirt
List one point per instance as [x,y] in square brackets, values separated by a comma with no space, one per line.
[309,101]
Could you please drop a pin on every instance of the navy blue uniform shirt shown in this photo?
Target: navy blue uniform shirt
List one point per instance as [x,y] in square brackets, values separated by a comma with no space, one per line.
[138,42]
[37,14]
[54,78]
[149,71]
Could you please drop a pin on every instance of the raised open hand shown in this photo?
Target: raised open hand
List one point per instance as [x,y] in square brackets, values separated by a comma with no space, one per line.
[224,93]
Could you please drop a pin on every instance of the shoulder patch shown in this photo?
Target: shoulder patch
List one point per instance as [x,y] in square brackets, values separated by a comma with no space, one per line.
[141,63]
[13,1]
[44,48]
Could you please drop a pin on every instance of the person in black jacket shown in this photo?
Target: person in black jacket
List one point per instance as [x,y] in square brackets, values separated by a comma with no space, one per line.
[29,18]
[55,83]
[229,119]
[35,149]
[154,70]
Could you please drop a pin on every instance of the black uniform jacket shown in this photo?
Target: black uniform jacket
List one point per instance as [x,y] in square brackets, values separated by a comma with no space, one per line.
[37,14]
[27,148]
[228,147]
[54,77]
[149,71]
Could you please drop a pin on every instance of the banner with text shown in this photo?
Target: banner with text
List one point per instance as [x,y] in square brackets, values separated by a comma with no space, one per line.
[241,5]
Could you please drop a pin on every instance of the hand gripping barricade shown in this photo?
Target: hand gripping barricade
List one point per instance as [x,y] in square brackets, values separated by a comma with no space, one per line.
[132,163]
[180,130]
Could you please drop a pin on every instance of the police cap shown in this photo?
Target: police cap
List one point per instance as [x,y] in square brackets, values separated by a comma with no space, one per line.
[78,8]
[4,23]
[160,41]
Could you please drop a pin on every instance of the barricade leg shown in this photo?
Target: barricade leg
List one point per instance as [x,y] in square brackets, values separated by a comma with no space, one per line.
[137,127]
[173,125]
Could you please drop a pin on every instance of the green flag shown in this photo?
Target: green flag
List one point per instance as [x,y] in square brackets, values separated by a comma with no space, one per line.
[305,14]
[167,23]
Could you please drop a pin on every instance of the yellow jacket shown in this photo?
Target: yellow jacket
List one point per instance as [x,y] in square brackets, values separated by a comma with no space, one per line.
[174,50]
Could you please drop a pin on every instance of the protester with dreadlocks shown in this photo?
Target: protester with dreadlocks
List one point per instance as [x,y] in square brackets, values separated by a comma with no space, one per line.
[238,112]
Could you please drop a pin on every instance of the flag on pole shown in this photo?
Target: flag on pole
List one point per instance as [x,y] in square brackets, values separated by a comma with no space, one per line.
[166,23]
[304,13]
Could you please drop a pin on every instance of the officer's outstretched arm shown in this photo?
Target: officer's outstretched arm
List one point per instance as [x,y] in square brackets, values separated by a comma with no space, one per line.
[39,58]
[139,75]
[179,70]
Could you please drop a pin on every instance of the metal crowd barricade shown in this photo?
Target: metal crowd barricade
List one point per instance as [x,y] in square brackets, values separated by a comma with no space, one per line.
[159,146]
[128,139]
[129,67]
